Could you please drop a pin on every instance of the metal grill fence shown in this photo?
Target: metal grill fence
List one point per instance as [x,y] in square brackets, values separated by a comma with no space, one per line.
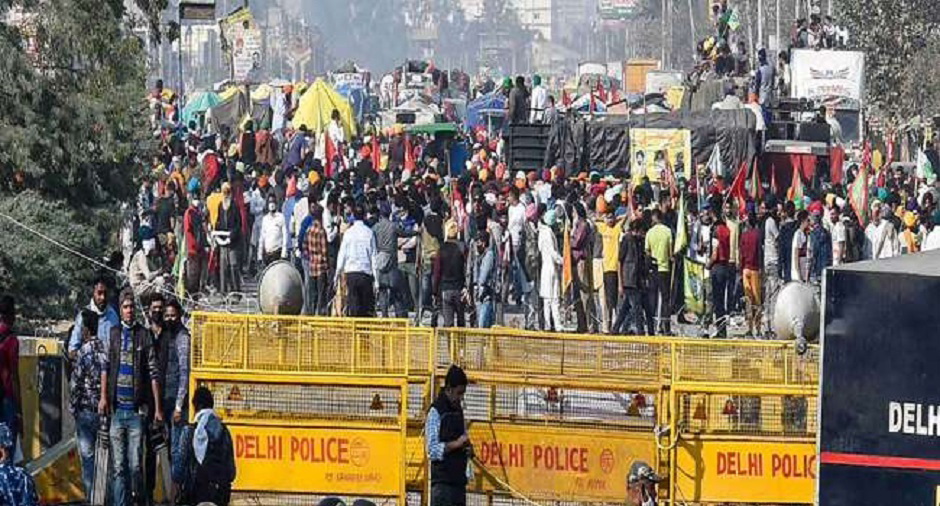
[689,388]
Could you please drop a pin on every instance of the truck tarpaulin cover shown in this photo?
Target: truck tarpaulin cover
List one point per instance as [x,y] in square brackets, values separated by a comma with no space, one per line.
[603,143]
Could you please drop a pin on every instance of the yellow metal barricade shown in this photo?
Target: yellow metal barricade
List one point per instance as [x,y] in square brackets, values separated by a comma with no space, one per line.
[553,417]
[310,345]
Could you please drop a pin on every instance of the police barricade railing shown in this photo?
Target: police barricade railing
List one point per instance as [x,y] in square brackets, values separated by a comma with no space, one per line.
[537,441]
[313,436]
[310,345]
[745,423]
[575,359]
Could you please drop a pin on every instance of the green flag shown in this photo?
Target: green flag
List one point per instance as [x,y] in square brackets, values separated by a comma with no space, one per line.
[694,286]
[925,169]
[734,20]
[858,195]
[682,235]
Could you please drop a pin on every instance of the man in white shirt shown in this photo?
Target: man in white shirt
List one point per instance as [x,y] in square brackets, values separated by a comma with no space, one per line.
[837,231]
[273,241]
[538,101]
[799,254]
[932,240]
[515,224]
[356,261]
[335,130]
[880,237]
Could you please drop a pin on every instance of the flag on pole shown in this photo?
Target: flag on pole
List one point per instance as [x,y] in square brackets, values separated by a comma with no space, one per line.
[756,190]
[773,181]
[734,20]
[682,235]
[694,284]
[737,188]
[376,154]
[925,169]
[601,93]
[331,154]
[795,193]
[567,266]
[409,155]
[858,194]
[714,164]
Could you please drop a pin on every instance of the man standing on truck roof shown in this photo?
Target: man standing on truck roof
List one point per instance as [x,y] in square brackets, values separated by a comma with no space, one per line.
[448,444]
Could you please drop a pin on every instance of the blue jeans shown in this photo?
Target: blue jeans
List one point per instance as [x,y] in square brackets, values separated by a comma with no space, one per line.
[86,427]
[127,430]
[486,314]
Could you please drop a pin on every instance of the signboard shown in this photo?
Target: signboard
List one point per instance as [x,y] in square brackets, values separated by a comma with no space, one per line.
[879,405]
[349,79]
[834,77]
[653,150]
[574,464]
[618,9]
[197,10]
[243,38]
[753,472]
[296,460]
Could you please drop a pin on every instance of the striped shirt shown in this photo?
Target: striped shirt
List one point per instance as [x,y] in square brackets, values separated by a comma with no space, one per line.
[125,377]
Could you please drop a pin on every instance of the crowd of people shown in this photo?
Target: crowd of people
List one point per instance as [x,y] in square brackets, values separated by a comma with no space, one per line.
[128,378]
[380,224]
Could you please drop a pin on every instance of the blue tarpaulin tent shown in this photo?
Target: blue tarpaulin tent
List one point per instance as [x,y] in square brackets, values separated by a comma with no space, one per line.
[477,111]
[198,104]
[357,96]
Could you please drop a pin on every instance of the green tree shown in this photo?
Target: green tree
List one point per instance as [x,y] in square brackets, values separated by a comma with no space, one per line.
[73,124]
[892,33]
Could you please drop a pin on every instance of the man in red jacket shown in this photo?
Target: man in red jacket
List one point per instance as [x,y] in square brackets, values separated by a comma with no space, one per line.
[194,232]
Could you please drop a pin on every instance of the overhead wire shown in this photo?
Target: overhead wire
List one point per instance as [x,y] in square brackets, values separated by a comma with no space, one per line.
[65,247]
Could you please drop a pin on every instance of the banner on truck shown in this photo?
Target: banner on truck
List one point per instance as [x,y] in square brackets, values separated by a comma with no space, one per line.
[834,77]
[653,151]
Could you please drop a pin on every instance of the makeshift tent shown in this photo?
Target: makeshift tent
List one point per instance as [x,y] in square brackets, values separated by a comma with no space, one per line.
[316,106]
[235,109]
[357,96]
[490,105]
[199,104]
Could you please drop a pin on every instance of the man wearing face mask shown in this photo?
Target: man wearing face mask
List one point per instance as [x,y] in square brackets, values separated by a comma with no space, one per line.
[356,261]
[194,231]
[273,243]
[447,443]
[228,227]
[159,334]
[173,353]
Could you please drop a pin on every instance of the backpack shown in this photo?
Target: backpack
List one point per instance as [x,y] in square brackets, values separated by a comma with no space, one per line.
[217,470]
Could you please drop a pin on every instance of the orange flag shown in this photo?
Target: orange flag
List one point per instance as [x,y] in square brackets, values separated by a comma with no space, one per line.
[376,153]
[567,266]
